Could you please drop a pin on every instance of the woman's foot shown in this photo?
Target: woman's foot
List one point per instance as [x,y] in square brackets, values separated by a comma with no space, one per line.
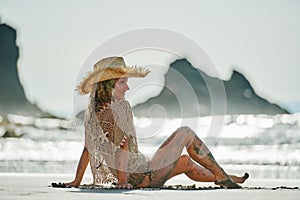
[228,183]
[245,177]
[232,181]
[240,179]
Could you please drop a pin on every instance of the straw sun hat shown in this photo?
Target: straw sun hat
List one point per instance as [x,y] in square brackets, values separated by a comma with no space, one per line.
[109,68]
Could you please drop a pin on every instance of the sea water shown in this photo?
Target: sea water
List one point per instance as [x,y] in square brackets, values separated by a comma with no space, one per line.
[267,146]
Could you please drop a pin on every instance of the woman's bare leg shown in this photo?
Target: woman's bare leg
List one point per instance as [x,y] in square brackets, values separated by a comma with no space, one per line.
[165,159]
[198,173]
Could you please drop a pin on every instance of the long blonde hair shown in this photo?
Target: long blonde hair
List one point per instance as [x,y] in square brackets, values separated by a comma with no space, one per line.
[103,93]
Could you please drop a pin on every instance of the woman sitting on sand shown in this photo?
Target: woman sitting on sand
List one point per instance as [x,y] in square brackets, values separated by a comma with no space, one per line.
[111,145]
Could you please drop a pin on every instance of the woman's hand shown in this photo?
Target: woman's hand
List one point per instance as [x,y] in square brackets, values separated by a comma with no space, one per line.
[72,183]
[124,186]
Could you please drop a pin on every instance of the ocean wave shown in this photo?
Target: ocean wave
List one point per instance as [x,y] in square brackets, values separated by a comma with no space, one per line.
[244,140]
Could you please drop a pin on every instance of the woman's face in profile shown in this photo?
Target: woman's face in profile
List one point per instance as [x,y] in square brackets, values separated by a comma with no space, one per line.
[120,88]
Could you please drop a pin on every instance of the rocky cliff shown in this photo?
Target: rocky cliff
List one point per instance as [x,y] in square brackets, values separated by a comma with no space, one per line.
[189,92]
[12,96]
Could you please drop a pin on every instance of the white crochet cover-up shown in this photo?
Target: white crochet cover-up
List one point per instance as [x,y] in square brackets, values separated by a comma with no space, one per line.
[104,131]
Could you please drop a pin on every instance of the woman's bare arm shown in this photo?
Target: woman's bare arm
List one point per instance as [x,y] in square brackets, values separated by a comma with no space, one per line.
[81,167]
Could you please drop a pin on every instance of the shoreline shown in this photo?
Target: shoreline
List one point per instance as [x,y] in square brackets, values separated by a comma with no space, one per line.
[37,186]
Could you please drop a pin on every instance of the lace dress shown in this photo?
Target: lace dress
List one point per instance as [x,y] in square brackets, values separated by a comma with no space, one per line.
[104,131]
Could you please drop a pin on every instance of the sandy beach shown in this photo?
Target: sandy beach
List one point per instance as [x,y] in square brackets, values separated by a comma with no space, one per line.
[37,186]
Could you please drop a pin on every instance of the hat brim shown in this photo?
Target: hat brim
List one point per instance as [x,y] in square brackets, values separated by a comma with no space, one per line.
[96,76]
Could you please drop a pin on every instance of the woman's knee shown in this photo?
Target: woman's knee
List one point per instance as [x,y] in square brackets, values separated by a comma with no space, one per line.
[185,131]
[185,159]
[186,162]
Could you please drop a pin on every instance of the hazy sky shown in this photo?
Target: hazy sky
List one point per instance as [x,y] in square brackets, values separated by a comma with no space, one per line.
[259,38]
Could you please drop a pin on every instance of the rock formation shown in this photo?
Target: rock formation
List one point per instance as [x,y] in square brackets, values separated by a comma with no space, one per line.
[12,96]
[188,93]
